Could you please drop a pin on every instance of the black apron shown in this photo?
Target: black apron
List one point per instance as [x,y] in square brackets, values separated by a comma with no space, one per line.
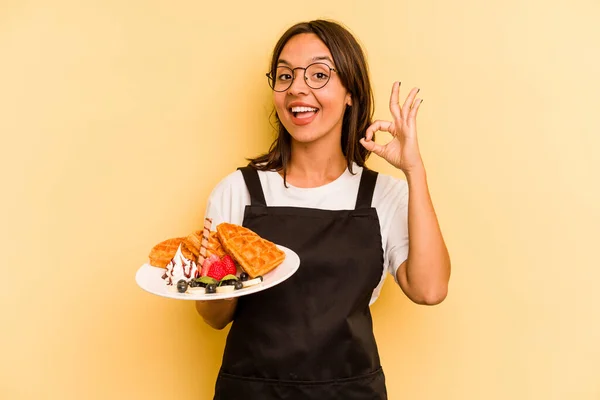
[311,336]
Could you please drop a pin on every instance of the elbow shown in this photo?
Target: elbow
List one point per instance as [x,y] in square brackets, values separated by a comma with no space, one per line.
[216,323]
[431,296]
[216,315]
[435,290]
[217,326]
[429,285]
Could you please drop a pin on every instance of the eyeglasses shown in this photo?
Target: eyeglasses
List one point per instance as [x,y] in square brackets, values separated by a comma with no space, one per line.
[316,75]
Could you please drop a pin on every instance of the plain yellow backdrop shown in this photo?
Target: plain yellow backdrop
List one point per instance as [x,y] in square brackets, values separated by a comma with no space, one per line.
[117,119]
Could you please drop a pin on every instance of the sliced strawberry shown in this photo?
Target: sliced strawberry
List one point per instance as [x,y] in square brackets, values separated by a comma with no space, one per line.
[217,270]
[207,263]
[205,267]
[229,264]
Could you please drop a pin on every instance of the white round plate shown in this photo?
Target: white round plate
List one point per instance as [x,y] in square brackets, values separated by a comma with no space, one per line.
[150,279]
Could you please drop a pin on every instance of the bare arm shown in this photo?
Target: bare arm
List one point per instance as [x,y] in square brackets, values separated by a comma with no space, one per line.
[424,276]
[217,313]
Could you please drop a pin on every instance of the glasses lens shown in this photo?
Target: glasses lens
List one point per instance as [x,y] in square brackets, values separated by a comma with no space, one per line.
[282,79]
[317,75]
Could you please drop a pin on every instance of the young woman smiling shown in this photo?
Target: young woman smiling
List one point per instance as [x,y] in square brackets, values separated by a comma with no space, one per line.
[311,336]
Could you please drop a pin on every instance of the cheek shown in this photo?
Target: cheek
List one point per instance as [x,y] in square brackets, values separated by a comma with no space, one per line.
[278,102]
[334,103]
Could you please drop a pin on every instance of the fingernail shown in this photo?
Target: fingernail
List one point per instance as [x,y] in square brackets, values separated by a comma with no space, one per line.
[418,90]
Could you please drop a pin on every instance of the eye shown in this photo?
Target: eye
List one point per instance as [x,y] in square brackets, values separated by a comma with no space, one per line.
[284,77]
[318,72]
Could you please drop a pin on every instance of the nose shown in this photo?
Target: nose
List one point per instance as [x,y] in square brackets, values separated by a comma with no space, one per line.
[299,85]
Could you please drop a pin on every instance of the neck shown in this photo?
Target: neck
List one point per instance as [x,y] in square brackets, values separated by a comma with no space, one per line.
[315,164]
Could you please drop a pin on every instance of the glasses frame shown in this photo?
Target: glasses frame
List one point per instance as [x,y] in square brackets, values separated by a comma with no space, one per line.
[272,80]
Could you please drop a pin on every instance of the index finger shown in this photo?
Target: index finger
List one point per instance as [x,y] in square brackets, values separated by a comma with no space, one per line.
[395,101]
[378,125]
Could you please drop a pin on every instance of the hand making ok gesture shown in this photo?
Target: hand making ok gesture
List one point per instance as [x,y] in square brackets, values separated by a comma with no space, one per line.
[403,150]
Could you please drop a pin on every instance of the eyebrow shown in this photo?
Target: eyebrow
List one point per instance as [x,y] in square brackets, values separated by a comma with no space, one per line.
[318,58]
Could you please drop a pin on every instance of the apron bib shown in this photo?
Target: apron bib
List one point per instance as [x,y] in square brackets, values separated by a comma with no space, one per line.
[310,337]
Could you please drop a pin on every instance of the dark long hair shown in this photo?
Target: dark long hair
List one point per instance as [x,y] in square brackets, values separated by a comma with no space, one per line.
[351,64]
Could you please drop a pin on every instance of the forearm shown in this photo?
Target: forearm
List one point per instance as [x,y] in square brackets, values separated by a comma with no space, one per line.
[217,313]
[425,274]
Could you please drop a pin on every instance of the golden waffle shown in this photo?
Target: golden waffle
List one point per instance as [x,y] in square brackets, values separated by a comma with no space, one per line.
[256,256]
[194,240]
[189,250]
[163,253]
[214,245]
[226,231]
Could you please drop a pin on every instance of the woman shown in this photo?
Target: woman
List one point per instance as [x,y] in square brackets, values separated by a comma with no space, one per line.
[311,337]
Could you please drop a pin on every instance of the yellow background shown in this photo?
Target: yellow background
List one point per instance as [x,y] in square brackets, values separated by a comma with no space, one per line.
[117,119]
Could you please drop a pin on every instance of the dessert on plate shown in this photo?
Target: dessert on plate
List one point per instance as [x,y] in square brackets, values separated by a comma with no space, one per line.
[231,258]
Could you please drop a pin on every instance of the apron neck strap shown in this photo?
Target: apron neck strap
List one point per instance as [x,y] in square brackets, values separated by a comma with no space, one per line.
[368,180]
[257,197]
[366,188]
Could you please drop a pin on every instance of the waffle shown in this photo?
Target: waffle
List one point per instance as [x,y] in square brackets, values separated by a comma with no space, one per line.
[214,245]
[163,253]
[194,240]
[255,255]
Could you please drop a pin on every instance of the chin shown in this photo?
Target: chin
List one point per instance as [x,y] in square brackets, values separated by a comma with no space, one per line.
[305,139]
[309,133]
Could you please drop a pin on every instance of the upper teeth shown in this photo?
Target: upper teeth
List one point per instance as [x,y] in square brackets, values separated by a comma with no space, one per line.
[303,109]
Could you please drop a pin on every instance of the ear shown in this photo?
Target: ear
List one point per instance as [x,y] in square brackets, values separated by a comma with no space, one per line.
[349,100]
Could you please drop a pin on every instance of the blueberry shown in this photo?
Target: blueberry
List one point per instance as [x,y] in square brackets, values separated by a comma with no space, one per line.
[243,277]
[212,288]
[182,286]
[238,285]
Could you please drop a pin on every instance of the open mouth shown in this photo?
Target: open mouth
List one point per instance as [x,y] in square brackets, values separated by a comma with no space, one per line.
[303,112]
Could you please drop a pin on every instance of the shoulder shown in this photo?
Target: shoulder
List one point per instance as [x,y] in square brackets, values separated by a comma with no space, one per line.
[231,183]
[390,186]
[228,198]
[385,184]
[390,196]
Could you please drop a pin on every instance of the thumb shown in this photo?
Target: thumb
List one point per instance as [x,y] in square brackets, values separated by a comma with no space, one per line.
[372,146]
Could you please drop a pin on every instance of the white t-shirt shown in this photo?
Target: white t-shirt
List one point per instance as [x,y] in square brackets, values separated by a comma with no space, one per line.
[230,197]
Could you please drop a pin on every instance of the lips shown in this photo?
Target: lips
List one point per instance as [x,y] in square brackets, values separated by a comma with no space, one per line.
[302,114]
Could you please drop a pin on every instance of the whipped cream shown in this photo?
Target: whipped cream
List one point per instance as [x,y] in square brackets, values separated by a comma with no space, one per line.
[180,268]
